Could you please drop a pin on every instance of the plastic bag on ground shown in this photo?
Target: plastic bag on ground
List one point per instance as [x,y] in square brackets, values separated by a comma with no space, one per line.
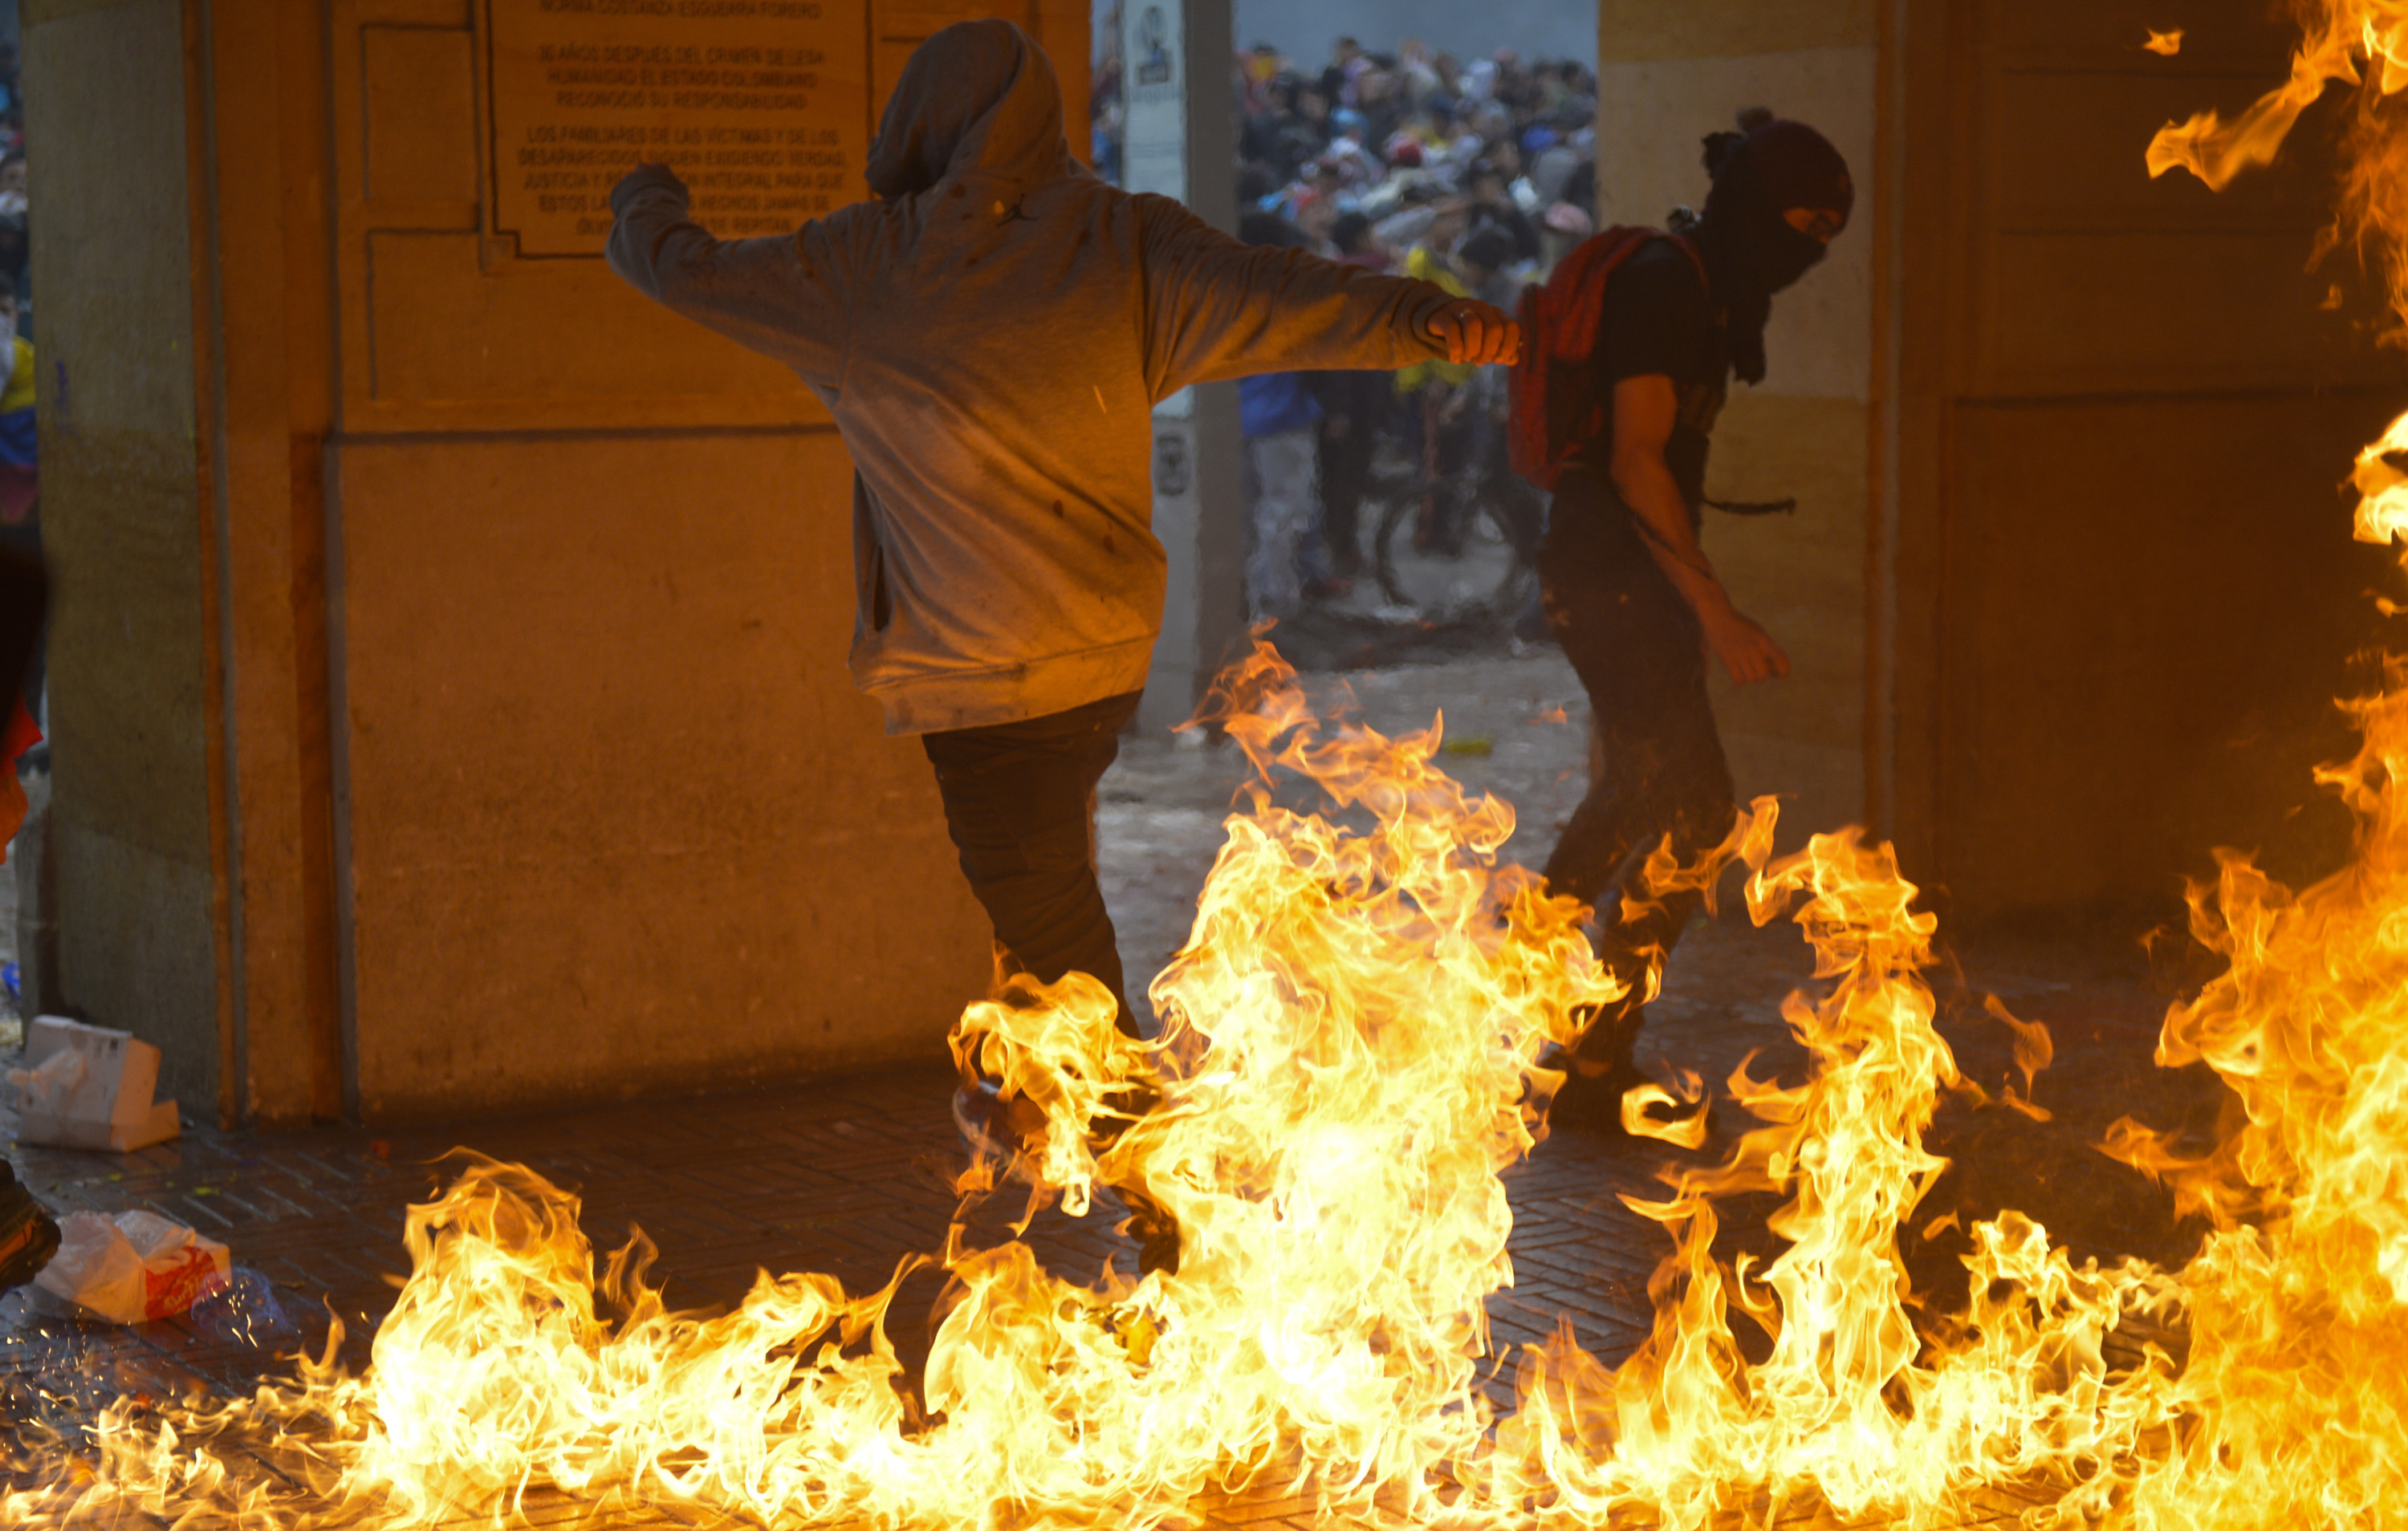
[133,1267]
[241,1308]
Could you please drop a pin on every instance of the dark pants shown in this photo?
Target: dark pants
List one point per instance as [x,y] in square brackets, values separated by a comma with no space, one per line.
[1020,800]
[1638,649]
[1355,407]
[1345,473]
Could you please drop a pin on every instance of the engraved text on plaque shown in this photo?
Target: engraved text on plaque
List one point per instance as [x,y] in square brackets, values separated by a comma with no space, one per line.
[762,106]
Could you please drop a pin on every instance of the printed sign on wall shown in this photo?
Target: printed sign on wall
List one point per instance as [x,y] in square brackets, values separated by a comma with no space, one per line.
[1153,146]
[760,106]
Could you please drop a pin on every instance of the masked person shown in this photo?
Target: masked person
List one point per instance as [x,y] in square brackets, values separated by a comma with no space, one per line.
[1632,345]
[992,333]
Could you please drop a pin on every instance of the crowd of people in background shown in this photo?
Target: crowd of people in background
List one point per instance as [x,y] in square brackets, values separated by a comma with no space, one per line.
[1478,175]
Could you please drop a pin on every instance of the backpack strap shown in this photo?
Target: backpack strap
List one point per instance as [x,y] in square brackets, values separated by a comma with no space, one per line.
[1554,408]
[1786,505]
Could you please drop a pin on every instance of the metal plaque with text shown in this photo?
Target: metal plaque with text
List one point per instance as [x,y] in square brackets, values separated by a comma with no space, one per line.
[761,105]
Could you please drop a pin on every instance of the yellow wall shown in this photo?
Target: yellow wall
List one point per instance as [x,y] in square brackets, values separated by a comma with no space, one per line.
[1636,30]
[618,819]
[450,698]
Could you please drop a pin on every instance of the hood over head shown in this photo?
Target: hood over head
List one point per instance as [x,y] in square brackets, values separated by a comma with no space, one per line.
[977,96]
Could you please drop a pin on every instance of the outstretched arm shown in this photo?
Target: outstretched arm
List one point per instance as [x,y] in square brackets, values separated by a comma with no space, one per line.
[1217,308]
[779,296]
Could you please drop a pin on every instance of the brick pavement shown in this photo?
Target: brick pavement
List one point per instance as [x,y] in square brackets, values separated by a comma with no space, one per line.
[850,1175]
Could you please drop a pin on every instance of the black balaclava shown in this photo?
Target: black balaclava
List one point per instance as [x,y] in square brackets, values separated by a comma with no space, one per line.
[1751,251]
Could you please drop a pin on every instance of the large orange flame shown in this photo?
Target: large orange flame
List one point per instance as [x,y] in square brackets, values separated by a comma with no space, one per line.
[1850,1406]
[1351,1060]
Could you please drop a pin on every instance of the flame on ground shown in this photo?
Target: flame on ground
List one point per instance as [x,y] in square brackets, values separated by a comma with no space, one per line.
[1353,1057]
[1329,1145]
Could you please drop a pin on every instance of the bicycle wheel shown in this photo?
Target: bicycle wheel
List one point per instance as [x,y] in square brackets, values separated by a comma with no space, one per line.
[1489,565]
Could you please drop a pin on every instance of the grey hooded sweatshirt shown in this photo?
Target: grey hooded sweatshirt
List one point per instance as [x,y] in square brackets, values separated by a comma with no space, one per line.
[992,336]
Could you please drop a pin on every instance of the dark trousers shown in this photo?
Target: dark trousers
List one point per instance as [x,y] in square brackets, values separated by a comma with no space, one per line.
[1345,473]
[1638,649]
[1450,449]
[1019,801]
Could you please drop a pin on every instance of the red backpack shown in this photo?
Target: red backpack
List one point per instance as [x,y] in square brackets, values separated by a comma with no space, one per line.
[1554,409]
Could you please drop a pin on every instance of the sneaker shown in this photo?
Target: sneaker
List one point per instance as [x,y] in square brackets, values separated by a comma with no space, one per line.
[1123,1107]
[28,1237]
[1696,1116]
[1150,1223]
[1004,1129]
[992,1126]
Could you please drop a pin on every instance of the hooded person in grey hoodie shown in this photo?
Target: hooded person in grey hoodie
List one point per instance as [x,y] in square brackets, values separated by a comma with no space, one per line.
[992,335]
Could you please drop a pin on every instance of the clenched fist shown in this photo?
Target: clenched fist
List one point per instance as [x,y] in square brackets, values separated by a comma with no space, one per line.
[1474,332]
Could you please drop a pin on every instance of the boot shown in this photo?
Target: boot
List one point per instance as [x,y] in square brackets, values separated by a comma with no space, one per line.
[1003,1129]
[1597,1070]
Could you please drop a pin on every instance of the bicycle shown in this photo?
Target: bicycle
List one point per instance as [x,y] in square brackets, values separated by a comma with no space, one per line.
[1460,547]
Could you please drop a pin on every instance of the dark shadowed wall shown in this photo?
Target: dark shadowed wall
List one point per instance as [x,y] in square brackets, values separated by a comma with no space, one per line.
[2116,590]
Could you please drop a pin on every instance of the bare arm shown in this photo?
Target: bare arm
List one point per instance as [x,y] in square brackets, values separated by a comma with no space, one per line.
[1644,410]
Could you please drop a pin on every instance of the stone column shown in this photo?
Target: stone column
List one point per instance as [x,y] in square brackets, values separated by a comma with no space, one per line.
[1180,125]
[137,833]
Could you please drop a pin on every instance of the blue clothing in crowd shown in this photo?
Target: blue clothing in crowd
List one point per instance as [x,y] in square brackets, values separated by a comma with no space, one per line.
[1274,402]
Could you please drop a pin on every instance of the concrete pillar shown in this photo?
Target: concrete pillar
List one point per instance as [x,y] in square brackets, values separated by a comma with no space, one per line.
[1180,125]
[136,659]
[37,914]
[448,701]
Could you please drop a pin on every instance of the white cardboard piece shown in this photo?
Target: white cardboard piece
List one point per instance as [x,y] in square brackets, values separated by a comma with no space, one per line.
[89,1087]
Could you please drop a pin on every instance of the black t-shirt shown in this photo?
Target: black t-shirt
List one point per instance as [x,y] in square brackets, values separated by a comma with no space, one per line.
[1659,321]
